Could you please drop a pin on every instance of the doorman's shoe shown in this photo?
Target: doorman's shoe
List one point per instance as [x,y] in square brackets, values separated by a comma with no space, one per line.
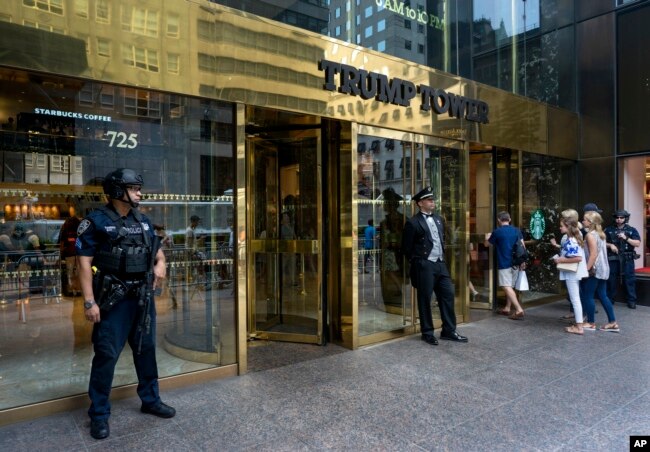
[453,336]
[431,340]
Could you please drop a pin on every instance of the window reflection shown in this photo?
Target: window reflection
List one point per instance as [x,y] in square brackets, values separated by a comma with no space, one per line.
[543,193]
[59,138]
[381,220]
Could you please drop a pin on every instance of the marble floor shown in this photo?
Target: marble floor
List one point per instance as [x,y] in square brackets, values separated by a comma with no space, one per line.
[517,385]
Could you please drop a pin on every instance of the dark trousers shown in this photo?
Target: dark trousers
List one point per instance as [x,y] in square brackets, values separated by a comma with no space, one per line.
[433,277]
[629,280]
[109,337]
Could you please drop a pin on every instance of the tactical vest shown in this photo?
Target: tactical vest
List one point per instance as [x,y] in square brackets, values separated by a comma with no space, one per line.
[622,245]
[129,253]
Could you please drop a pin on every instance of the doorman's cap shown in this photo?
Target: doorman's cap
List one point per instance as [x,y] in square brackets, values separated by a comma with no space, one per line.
[426,192]
[591,207]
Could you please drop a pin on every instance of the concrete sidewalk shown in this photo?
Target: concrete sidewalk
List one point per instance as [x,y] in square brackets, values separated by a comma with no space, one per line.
[517,385]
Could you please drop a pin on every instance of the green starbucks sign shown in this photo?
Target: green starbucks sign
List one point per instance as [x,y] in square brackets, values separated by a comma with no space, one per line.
[537,224]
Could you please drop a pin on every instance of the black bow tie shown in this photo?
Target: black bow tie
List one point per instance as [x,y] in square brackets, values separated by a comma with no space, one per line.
[426,215]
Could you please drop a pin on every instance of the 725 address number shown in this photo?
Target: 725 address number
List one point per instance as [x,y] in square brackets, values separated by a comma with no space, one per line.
[121,140]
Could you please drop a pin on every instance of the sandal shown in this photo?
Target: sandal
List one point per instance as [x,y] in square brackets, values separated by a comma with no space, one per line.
[589,326]
[503,312]
[574,329]
[567,317]
[517,316]
[611,327]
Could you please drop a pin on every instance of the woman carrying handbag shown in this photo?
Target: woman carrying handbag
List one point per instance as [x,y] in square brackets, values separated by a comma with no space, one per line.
[572,268]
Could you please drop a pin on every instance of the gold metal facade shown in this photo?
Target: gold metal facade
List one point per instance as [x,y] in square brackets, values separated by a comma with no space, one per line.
[207,50]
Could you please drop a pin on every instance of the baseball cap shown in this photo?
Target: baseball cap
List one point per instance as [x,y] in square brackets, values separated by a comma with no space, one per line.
[591,207]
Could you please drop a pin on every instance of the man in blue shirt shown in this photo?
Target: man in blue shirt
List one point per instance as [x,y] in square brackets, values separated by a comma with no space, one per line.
[503,238]
[369,234]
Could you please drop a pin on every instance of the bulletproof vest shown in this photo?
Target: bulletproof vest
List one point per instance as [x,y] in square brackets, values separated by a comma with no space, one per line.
[129,252]
[623,246]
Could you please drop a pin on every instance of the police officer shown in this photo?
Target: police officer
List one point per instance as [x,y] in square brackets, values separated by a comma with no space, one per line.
[423,243]
[621,241]
[114,244]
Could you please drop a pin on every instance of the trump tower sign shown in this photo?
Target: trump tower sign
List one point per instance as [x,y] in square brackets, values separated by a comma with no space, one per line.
[397,91]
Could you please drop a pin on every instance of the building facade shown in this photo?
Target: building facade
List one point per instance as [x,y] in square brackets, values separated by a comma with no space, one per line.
[287,131]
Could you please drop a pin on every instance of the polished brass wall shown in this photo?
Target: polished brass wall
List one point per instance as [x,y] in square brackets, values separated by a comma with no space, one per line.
[203,49]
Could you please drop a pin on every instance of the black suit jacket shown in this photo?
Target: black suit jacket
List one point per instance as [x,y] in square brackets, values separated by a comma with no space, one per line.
[417,241]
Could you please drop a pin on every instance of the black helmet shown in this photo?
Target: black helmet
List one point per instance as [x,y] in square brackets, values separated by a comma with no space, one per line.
[116,181]
[621,213]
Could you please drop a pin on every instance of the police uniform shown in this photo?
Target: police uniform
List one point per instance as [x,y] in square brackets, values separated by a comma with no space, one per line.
[118,268]
[423,245]
[102,232]
[623,262]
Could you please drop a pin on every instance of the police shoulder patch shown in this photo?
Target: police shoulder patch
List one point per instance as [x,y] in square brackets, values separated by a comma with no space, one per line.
[85,224]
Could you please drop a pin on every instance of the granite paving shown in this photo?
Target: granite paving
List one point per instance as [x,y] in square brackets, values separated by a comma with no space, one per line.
[516,386]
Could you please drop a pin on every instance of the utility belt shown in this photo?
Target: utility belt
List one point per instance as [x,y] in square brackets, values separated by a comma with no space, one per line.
[626,255]
[109,289]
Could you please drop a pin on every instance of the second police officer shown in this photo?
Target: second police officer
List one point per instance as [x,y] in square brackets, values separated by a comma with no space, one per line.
[621,241]
[118,274]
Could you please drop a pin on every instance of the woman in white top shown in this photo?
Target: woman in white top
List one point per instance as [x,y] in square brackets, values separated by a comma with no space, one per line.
[572,252]
[571,214]
[598,268]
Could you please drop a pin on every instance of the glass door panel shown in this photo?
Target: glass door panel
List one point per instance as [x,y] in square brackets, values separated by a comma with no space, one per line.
[382,165]
[480,224]
[285,212]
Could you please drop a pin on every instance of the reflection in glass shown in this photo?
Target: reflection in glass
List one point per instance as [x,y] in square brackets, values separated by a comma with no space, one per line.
[543,191]
[447,179]
[380,207]
[480,223]
[59,139]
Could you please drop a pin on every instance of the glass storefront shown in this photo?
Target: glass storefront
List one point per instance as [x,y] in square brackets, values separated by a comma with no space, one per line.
[545,193]
[60,137]
[534,189]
